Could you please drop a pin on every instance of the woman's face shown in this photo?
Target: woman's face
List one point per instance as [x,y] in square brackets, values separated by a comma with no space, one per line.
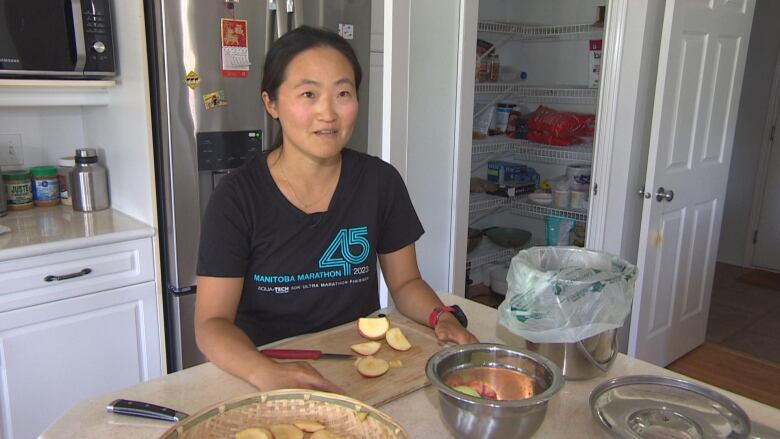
[317,103]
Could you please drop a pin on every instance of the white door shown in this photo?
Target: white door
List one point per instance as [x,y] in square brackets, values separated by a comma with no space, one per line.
[701,64]
[765,254]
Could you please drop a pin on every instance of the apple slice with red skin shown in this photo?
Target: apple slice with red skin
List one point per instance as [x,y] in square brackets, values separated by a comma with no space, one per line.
[397,340]
[484,389]
[373,328]
[371,367]
[367,348]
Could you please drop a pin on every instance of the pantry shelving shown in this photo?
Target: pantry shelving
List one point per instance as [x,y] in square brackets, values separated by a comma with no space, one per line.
[531,32]
[500,147]
[535,152]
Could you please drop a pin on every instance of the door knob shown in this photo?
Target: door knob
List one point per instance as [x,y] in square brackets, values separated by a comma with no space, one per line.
[661,194]
[643,194]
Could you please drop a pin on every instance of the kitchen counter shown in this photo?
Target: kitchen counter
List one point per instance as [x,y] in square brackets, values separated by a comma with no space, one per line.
[195,388]
[43,230]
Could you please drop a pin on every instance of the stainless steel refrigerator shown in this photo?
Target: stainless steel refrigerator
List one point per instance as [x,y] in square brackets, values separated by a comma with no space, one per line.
[206,59]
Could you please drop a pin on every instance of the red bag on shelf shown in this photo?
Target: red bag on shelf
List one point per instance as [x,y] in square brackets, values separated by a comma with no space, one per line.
[561,124]
[537,136]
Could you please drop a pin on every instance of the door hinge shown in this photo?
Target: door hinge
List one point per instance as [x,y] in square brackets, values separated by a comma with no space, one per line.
[755,236]
[772,134]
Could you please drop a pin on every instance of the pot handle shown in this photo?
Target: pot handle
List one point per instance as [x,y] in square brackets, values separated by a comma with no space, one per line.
[601,366]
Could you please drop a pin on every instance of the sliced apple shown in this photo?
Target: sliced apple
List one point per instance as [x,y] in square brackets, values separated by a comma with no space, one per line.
[325,434]
[467,390]
[395,363]
[254,433]
[367,348]
[286,431]
[397,340]
[371,367]
[484,389]
[373,328]
[308,426]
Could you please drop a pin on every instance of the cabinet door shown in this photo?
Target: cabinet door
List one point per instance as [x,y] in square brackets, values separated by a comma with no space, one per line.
[57,354]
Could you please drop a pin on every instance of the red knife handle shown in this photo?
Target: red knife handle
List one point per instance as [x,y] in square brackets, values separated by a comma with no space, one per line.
[292,354]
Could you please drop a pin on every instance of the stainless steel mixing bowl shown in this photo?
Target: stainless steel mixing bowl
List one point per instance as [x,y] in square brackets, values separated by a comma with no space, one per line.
[523,382]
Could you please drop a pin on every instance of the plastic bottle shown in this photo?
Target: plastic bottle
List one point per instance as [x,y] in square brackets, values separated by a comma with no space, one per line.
[495,67]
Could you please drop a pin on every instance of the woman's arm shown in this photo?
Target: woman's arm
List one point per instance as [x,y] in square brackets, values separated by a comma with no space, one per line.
[227,346]
[415,298]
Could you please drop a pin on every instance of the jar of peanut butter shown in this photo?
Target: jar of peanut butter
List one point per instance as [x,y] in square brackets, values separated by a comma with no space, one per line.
[18,187]
[45,186]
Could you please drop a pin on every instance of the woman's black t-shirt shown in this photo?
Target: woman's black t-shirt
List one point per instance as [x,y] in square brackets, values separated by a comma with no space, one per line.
[305,272]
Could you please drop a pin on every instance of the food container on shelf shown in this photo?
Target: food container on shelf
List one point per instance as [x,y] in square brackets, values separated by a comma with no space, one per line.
[578,174]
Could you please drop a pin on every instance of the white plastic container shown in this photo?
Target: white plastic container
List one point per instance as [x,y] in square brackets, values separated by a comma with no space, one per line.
[579,199]
[561,197]
[64,168]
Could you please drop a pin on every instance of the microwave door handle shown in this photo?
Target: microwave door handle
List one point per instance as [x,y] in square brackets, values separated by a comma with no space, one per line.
[78,33]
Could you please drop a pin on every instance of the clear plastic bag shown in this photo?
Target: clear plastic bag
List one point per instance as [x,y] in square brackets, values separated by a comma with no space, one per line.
[566,294]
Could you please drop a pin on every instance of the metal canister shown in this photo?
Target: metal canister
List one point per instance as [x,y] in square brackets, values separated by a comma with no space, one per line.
[90,182]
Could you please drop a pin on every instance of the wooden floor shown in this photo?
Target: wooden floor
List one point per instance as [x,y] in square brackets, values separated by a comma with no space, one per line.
[734,371]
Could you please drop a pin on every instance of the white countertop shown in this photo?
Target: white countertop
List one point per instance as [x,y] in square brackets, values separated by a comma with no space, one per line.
[190,390]
[43,230]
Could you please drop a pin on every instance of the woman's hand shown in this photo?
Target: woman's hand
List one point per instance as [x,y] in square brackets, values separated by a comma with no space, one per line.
[449,329]
[292,375]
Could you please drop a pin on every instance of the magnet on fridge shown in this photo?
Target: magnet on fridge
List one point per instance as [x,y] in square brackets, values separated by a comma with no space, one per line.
[192,80]
[346,31]
[214,99]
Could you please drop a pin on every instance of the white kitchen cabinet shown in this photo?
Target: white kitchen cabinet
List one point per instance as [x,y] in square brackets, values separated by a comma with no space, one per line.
[63,341]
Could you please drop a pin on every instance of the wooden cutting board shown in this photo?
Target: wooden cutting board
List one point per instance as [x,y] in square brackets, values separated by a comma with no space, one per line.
[398,381]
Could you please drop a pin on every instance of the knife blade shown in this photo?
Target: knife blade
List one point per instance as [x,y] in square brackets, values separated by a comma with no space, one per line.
[145,410]
[304,354]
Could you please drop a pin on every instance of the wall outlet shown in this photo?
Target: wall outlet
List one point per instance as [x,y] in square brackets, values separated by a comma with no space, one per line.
[11,149]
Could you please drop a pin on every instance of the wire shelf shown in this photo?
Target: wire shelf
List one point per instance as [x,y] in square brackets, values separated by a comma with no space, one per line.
[523,206]
[482,202]
[560,95]
[530,32]
[534,152]
[495,257]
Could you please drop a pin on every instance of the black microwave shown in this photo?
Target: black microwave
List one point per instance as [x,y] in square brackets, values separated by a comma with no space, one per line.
[56,38]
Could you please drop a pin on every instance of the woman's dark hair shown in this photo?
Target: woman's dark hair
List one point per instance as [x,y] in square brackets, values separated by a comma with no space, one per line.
[289,46]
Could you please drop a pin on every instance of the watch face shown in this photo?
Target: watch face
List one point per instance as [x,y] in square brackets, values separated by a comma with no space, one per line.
[460,315]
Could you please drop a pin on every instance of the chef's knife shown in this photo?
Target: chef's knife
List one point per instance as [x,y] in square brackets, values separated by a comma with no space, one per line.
[304,354]
[145,410]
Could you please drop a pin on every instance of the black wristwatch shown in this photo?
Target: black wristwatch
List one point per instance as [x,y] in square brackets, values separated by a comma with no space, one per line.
[455,310]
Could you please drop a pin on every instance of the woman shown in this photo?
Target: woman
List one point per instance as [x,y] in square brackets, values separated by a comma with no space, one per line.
[290,241]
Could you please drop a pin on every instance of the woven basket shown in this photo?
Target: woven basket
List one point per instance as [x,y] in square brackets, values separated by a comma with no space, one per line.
[336,412]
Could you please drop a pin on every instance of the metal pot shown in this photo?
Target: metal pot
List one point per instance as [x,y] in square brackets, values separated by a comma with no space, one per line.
[584,359]
[523,381]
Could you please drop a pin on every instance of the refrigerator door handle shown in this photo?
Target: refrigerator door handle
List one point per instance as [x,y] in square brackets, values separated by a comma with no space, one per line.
[297,6]
[281,18]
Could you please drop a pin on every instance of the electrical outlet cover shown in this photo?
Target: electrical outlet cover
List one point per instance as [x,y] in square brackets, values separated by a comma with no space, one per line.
[11,149]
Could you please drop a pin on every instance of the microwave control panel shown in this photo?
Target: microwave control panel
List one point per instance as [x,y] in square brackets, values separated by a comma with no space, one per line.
[96,15]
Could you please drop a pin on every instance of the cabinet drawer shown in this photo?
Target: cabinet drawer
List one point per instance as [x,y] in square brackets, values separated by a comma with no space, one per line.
[40,279]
